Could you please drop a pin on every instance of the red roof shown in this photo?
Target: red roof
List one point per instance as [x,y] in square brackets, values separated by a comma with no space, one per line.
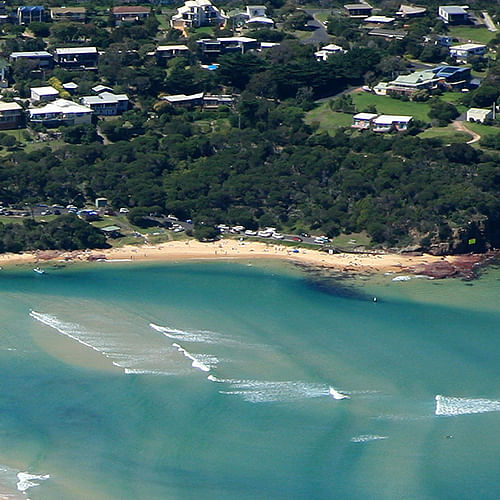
[131,10]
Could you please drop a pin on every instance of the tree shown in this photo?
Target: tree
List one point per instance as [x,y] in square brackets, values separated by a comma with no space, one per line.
[443,112]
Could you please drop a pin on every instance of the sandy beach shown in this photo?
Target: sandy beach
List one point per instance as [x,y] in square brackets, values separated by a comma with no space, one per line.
[232,249]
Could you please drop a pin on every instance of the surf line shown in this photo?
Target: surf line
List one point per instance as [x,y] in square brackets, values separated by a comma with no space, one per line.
[195,362]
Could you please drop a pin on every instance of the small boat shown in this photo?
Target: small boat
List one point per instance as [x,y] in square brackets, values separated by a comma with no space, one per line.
[39,270]
[401,278]
[338,395]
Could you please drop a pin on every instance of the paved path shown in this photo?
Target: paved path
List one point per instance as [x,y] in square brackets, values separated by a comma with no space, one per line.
[489,22]
[461,127]
[319,35]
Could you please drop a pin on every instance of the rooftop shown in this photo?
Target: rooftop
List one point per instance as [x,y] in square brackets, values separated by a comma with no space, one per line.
[34,53]
[410,9]
[468,46]
[379,19]
[62,10]
[454,9]
[390,119]
[365,116]
[183,97]
[131,10]
[60,106]
[76,50]
[353,6]
[9,106]
[171,47]
[47,90]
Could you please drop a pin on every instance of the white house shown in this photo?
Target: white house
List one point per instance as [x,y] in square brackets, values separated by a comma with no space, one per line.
[164,53]
[453,14]
[61,112]
[410,11]
[325,52]
[381,20]
[363,120]
[196,13]
[462,52]
[45,94]
[478,115]
[256,16]
[386,123]
[106,103]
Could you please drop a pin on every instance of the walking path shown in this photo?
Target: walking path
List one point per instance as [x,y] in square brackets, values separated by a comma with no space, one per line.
[489,22]
[461,127]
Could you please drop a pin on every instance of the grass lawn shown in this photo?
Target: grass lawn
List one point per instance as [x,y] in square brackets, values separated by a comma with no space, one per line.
[351,241]
[483,130]
[466,33]
[328,120]
[447,134]
[388,105]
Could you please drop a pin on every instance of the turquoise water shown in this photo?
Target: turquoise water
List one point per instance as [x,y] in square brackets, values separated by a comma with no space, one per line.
[212,380]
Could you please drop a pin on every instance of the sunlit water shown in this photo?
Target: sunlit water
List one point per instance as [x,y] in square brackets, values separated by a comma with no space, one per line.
[237,381]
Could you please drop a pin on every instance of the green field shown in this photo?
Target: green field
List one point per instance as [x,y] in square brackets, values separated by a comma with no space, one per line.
[328,120]
[483,130]
[388,105]
[466,33]
[448,135]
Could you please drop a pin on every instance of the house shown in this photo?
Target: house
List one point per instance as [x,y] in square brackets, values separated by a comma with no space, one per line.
[107,103]
[255,11]
[387,123]
[379,20]
[325,52]
[463,52]
[125,14]
[82,58]
[443,40]
[11,115]
[44,94]
[210,48]
[112,231]
[454,14]
[255,17]
[61,112]
[358,9]
[164,53]
[30,14]
[214,101]
[410,11]
[478,115]
[196,13]
[101,203]
[185,100]
[363,120]
[71,14]
[388,34]
[71,87]
[41,58]
[259,22]
[101,88]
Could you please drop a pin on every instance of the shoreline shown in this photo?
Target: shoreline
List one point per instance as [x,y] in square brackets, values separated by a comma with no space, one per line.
[353,263]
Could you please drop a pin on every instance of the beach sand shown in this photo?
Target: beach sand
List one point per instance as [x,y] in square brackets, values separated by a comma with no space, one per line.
[232,249]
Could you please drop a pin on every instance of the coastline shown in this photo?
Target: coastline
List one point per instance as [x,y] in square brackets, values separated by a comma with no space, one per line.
[430,265]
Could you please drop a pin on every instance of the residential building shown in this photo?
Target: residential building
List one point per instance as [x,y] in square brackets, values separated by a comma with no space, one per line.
[379,20]
[77,58]
[442,40]
[255,17]
[11,115]
[214,101]
[106,103]
[41,58]
[388,34]
[71,87]
[210,48]
[463,52]
[185,100]
[387,123]
[255,11]
[45,94]
[135,13]
[410,11]
[61,112]
[30,14]
[196,13]
[72,14]
[101,88]
[325,52]
[358,9]
[478,114]
[454,14]
[363,120]
[164,53]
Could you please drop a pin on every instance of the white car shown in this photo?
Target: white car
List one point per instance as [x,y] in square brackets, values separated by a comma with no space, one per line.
[124,210]
[277,236]
[264,234]
[248,232]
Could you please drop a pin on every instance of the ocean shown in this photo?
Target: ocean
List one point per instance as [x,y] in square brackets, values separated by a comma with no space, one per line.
[247,380]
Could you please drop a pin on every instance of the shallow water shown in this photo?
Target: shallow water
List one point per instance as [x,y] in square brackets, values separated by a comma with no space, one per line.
[213,380]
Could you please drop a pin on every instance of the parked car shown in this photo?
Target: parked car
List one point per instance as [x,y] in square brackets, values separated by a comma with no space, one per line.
[249,232]
[296,238]
[124,210]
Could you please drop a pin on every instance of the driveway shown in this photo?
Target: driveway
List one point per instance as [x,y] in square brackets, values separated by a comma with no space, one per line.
[319,35]
[461,127]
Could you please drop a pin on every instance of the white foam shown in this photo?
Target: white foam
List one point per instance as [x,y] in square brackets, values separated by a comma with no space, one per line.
[202,362]
[364,438]
[138,371]
[451,406]
[25,480]
[200,336]
[337,395]
[401,278]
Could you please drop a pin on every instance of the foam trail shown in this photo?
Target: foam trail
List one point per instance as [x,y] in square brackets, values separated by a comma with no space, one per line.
[202,362]
[25,480]
[201,336]
[337,395]
[451,406]
[363,438]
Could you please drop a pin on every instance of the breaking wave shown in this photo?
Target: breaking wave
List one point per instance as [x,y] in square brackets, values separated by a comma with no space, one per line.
[364,438]
[26,481]
[201,336]
[451,406]
[203,362]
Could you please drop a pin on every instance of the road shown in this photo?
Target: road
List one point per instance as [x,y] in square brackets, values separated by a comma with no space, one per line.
[319,35]
[489,22]
[461,127]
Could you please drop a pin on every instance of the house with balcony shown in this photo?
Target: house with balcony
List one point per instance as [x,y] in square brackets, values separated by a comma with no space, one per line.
[454,14]
[164,53]
[107,103]
[68,14]
[358,10]
[211,49]
[30,14]
[80,58]
[128,14]
[41,58]
[388,123]
[325,52]
[463,52]
[61,112]
[196,13]
[44,94]
[11,115]
[363,121]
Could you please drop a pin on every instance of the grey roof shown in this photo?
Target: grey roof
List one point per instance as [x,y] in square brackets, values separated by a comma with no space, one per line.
[453,9]
[34,53]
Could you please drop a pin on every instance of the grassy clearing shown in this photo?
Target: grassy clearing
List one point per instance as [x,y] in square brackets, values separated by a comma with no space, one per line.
[328,120]
[448,135]
[351,241]
[483,130]
[468,33]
